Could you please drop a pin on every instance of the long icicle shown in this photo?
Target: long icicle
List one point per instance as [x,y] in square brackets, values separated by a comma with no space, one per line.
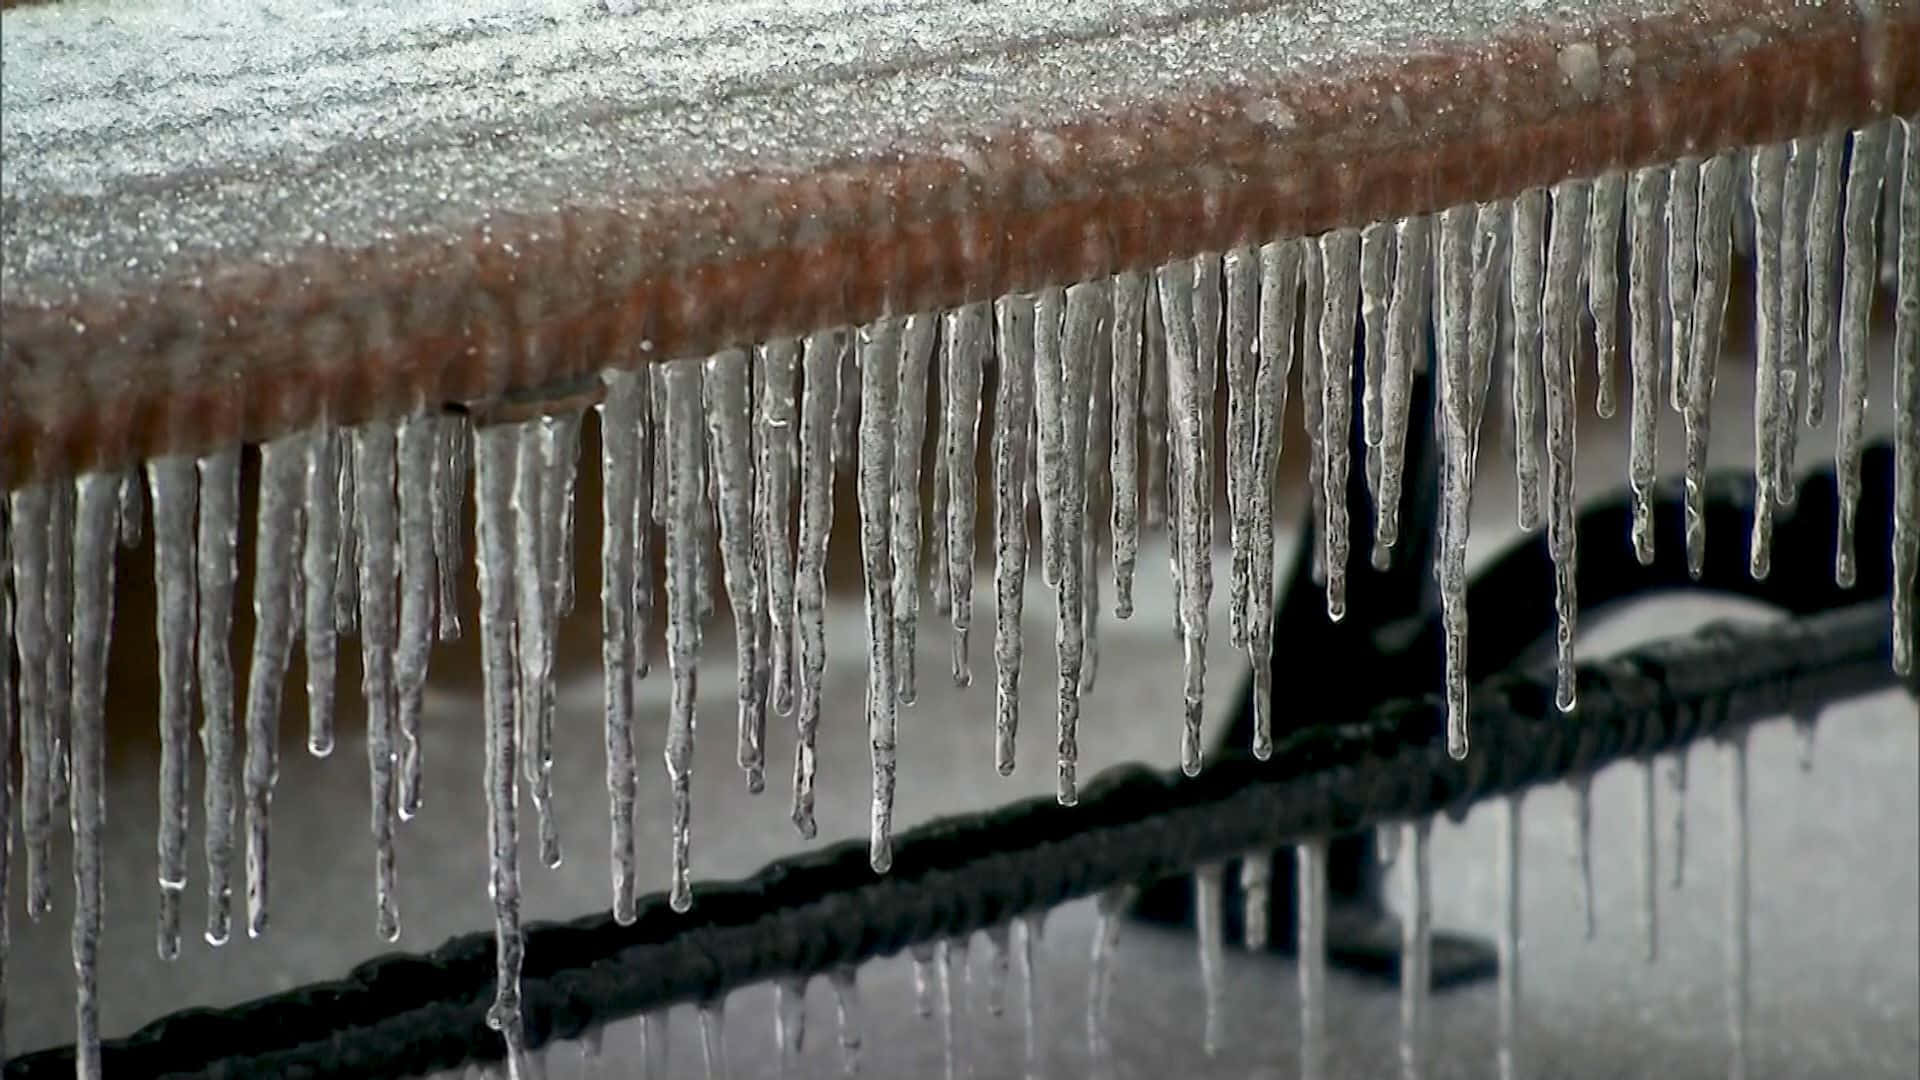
[96,528]
[320,570]
[779,457]
[727,397]
[1129,304]
[686,564]
[415,440]
[376,523]
[1796,201]
[1313,403]
[1279,297]
[7,740]
[1714,242]
[820,395]
[1603,283]
[1340,257]
[450,467]
[1489,288]
[28,517]
[1404,314]
[275,585]
[1768,188]
[1457,233]
[917,339]
[968,333]
[1528,279]
[1242,271]
[879,387]
[59,655]
[1376,242]
[1865,169]
[1559,364]
[1183,399]
[216,571]
[1646,200]
[620,433]
[1683,251]
[1012,409]
[175,485]
[1906,408]
[1823,228]
[1086,305]
[1049,456]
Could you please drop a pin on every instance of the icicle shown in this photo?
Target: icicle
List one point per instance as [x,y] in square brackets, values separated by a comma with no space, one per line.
[686,563]
[1488,288]
[1649,862]
[1677,779]
[175,485]
[656,1051]
[968,335]
[790,1021]
[1646,198]
[846,1000]
[1404,313]
[415,440]
[95,530]
[952,1006]
[1794,206]
[1709,312]
[449,519]
[1769,175]
[1109,908]
[1603,281]
[1207,900]
[1153,407]
[909,438]
[275,587]
[821,391]
[1242,276]
[1194,484]
[1129,303]
[1416,955]
[999,965]
[1279,291]
[1313,404]
[375,522]
[778,434]
[729,413]
[1683,253]
[1049,454]
[6,772]
[1340,257]
[1457,431]
[1583,848]
[1376,244]
[713,1047]
[561,452]
[846,411]
[29,513]
[1527,281]
[320,568]
[1507,1056]
[1310,883]
[1012,407]
[1738,931]
[939,587]
[1085,304]
[547,447]
[879,386]
[1029,927]
[217,569]
[1256,889]
[59,655]
[621,430]
[346,575]
[1096,493]
[1823,226]
[1559,363]
[1906,407]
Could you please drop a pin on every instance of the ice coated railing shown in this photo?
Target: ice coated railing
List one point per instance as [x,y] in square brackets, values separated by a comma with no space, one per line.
[403,253]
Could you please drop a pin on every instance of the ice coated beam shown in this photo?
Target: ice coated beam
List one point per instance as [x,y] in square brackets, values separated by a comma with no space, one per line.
[205,246]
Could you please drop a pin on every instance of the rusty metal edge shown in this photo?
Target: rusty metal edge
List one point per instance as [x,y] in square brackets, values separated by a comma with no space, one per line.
[524,310]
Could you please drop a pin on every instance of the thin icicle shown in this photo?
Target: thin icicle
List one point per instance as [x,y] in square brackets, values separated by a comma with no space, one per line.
[846,1001]
[939,588]
[1376,245]
[96,528]
[1153,408]
[1313,403]
[1823,229]
[909,439]
[1310,909]
[1416,955]
[1683,253]
[1646,203]
[320,569]
[1404,314]
[1129,303]
[175,491]
[547,448]
[1649,862]
[968,335]
[713,1046]
[1603,282]
[1109,908]
[1560,366]
[1739,934]
[846,410]
[1709,313]
[1340,259]
[821,392]
[1014,316]
[620,432]
[1865,169]
[729,414]
[59,655]
[1794,206]
[1768,191]
[1049,453]
[376,523]
[1194,484]
[1207,920]
[1458,227]
[1489,287]
[561,456]
[1906,407]
[1085,305]
[1279,294]
[7,740]
[1507,1056]
[495,451]
[346,575]
[1526,284]
[879,388]
[1256,892]
[1242,270]
[29,518]
[686,563]
[779,447]
[415,443]
[790,1021]
[1583,849]
[450,467]
[1095,485]
[276,584]
[1029,928]
[216,570]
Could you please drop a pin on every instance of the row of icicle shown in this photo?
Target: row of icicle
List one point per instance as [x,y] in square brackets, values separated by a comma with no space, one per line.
[1102,407]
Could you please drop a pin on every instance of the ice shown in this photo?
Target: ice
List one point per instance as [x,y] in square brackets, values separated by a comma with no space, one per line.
[713,1046]
[1739,933]
[1560,366]
[1340,258]
[1416,954]
[59,656]
[7,740]
[1313,404]
[916,353]
[1207,922]
[846,1001]
[548,446]
[1376,245]
[1507,1056]
[276,586]
[1014,317]
[1310,883]
[1823,228]
[346,574]
[376,523]
[1153,408]
[729,418]
[1796,202]
[622,431]
[1279,295]
[1865,168]
[1256,891]
[1906,407]
[939,587]
[1768,193]
[495,452]
[1583,849]
[449,518]
[1242,271]
[790,1021]
[416,440]
[29,517]
[1527,283]
[175,489]
[320,571]
[1458,228]
[1194,483]
[879,388]
[1646,204]
[1488,289]
[1049,319]
[96,528]
[1683,231]
[216,570]
[1086,306]
[1110,907]
[1649,861]
[819,396]
[779,456]
[131,509]
[968,337]
[686,563]
[1405,312]
[1129,303]
[1709,313]
[1603,281]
